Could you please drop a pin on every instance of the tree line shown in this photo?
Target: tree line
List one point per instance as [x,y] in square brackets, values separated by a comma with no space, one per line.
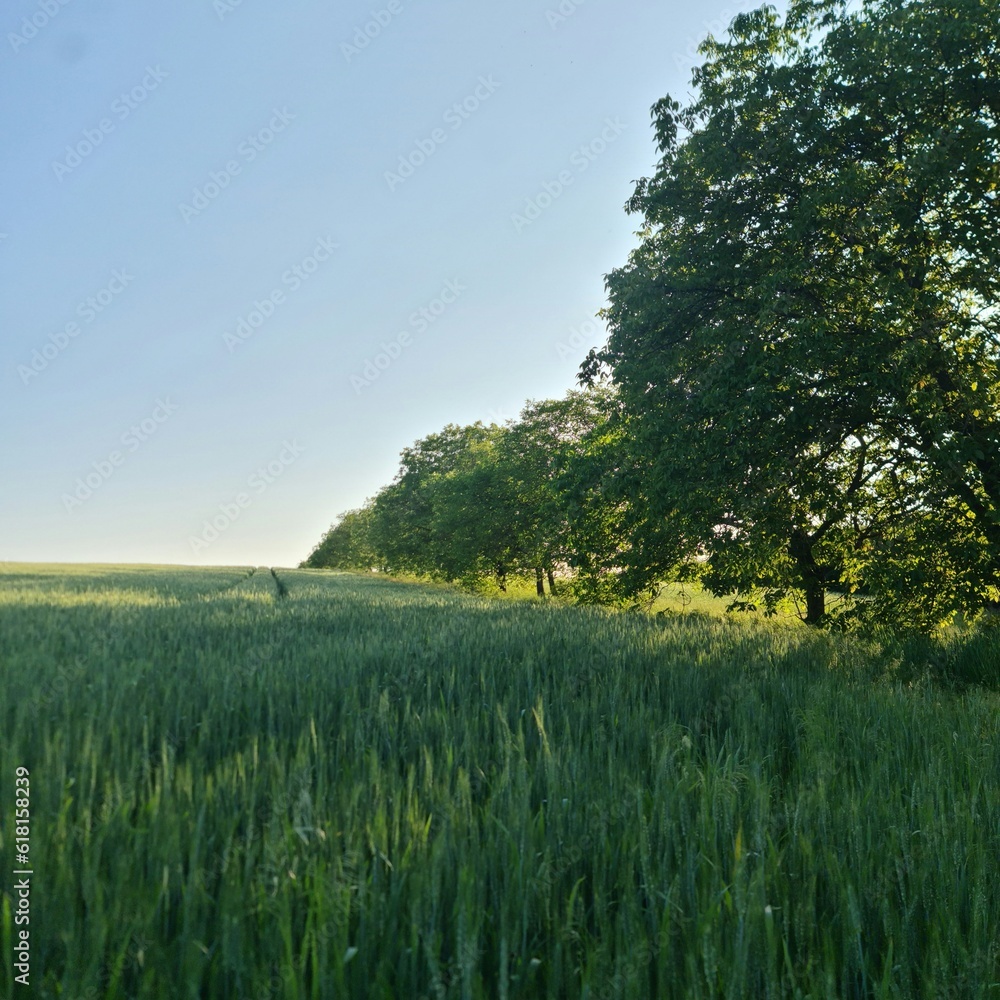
[799,393]
[491,502]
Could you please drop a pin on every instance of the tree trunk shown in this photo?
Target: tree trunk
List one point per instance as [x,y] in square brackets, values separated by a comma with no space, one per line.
[502,578]
[800,547]
[815,602]
[552,582]
[539,582]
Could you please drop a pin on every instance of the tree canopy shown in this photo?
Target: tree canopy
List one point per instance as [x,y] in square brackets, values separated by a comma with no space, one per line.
[805,341]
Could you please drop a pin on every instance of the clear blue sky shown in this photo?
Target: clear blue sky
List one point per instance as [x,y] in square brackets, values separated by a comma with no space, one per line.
[220,219]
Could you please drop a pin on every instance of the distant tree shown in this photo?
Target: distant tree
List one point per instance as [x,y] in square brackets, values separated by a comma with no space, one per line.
[535,451]
[477,501]
[347,544]
[475,514]
[806,341]
[598,495]
[411,528]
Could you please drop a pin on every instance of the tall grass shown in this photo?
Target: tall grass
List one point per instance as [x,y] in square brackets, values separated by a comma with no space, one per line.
[361,788]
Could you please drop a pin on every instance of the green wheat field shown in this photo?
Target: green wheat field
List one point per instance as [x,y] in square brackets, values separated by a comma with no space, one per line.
[250,784]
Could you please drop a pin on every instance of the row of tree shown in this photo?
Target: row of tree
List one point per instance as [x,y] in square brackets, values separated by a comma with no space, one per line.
[487,501]
[799,394]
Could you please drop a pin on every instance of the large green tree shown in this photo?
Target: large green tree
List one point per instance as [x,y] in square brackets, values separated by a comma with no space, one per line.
[806,340]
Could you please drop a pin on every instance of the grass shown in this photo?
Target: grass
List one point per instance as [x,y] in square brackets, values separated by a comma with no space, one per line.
[363,788]
[692,598]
